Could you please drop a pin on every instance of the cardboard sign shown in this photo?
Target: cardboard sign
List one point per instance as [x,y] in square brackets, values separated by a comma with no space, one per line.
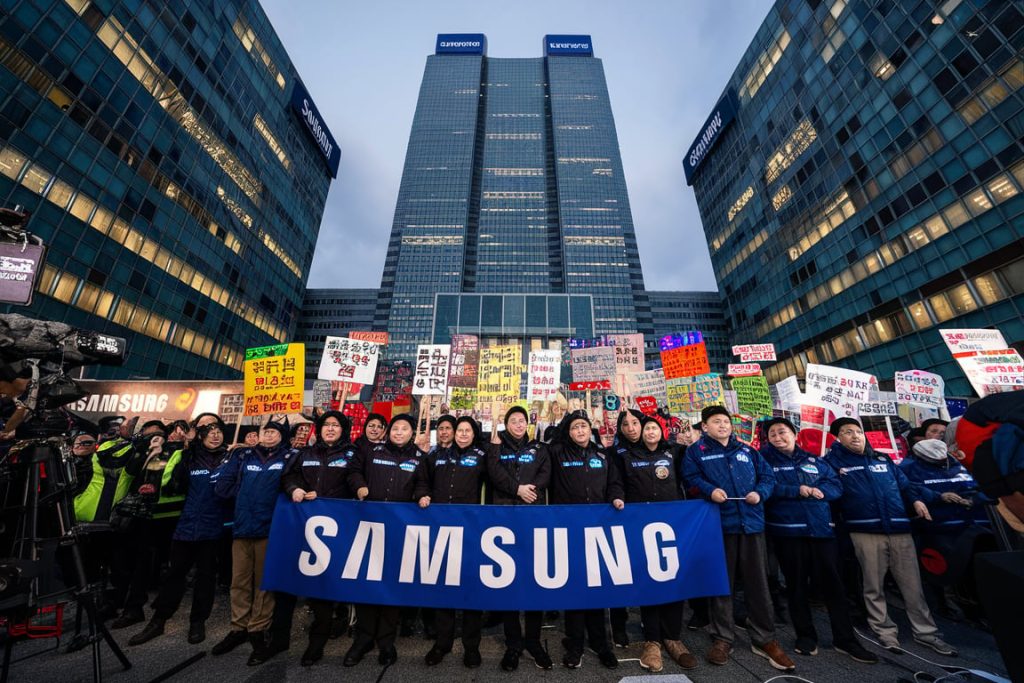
[602,385]
[877,408]
[500,375]
[375,337]
[754,352]
[685,361]
[962,340]
[688,395]
[752,395]
[274,379]
[838,389]
[393,383]
[543,374]
[647,405]
[231,407]
[593,364]
[465,359]
[920,388]
[744,370]
[649,383]
[788,394]
[322,394]
[629,353]
[349,360]
[462,399]
[992,372]
[431,374]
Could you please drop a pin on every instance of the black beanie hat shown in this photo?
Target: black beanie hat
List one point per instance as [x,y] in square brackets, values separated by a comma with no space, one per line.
[768,424]
[153,423]
[445,418]
[244,430]
[473,424]
[401,417]
[710,411]
[343,420]
[281,428]
[516,409]
[375,416]
[200,416]
[836,425]
[566,424]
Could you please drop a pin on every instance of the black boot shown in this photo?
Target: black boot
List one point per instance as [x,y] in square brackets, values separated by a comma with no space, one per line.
[260,648]
[315,652]
[356,653]
[154,628]
[232,640]
[129,617]
[196,632]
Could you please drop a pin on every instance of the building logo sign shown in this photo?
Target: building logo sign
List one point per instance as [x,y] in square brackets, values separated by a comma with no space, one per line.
[303,105]
[461,44]
[568,45]
[19,271]
[717,123]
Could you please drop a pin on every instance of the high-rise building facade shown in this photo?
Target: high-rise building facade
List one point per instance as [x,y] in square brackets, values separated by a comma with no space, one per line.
[861,183]
[674,312]
[512,185]
[176,168]
[332,313]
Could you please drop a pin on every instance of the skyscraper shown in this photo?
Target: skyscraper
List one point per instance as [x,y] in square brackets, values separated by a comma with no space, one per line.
[176,167]
[513,201]
[861,183]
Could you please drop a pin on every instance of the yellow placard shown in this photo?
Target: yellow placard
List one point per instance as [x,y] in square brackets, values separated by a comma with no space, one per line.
[274,379]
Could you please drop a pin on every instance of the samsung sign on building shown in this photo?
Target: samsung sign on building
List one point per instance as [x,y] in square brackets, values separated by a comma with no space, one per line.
[580,46]
[461,44]
[721,117]
[303,105]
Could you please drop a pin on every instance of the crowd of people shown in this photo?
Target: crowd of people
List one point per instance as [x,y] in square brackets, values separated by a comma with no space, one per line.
[181,503]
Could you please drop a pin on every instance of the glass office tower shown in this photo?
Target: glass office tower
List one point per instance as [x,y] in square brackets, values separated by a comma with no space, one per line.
[861,183]
[512,185]
[176,167]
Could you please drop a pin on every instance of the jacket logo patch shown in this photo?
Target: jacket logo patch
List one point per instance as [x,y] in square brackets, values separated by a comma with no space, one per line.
[526,458]
[408,466]
[809,468]
[468,461]
[878,468]
[596,463]
[661,472]
[742,457]
[338,463]
[311,463]
[276,466]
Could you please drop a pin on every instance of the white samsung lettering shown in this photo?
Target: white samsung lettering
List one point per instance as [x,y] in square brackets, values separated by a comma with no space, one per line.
[417,544]
[570,46]
[319,132]
[596,541]
[662,561]
[706,139]
[503,560]
[462,43]
[315,563]
[561,558]
[368,533]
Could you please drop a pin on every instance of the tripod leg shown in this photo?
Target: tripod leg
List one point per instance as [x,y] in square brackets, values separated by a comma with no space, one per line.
[8,647]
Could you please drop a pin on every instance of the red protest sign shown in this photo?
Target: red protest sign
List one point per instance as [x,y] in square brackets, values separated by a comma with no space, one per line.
[358,413]
[590,386]
[383,408]
[648,405]
[744,370]
[375,337]
[685,361]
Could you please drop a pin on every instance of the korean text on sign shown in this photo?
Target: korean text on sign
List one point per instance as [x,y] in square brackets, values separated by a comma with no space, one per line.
[274,379]
[350,360]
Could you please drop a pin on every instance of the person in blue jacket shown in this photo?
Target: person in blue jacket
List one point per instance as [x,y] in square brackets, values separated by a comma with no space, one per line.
[196,538]
[799,521]
[876,496]
[735,477]
[253,478]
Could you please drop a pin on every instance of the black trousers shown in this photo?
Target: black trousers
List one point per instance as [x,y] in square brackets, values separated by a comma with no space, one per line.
[323,615]
[137,556]
[183,555]
[592,622]
[376,624]
[618,617]
[807,562]
[515,637]
[472,621]
[662,622]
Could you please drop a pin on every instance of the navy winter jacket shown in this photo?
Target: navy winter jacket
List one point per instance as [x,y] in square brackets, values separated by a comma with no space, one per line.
[940,478]
[737,469]
[787,513]
[253,478]
[876,494]
[204,512]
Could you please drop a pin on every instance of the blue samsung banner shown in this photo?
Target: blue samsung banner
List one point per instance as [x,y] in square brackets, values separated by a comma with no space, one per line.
[581,46]
[303,105]
[496,557]
[710,132]
[461,44]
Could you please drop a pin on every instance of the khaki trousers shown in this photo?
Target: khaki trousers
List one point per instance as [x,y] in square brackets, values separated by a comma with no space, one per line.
[251,608]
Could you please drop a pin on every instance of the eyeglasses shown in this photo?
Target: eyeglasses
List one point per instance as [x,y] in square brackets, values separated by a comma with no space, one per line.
[850,432]
[85,444]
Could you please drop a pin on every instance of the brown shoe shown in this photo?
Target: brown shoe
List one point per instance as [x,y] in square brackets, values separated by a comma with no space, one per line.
[719,652]
[650,658]
[775,656]
[680,655]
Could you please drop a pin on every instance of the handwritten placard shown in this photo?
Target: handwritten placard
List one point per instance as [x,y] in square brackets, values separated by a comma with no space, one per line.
[350,360]
[431,375]
[543,374]
[274,379]
[754,352]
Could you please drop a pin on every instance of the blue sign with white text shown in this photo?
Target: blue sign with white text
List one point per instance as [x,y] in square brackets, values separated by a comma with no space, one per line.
[496,557]
[721,117]
[461,44]
[303,105]
[568,45]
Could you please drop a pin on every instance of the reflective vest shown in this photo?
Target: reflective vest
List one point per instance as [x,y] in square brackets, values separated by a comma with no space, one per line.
[104,486]
[169,506]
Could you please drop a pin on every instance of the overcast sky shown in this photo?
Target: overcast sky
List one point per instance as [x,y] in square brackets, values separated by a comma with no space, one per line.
[666,64]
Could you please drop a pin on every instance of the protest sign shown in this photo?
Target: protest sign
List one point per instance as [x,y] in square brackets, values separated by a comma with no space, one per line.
[647,405]
[689,395]
[729,396]
[500,374]
[274,376]
[358,413]
[543,374]
[152,399]
[495,557]
[649,383]
[677,339]
[322,394]
[593,364]
[602,385]
[876,408]
[838,389]
[754,352]
[375,337]
[743,369]
[349,360]
[231,407]
[963,340]
[394,382]
[685,361]
[462,399]
[629,353]
[920,388]
[465,358]
[788,394]
[431,373]
[752,395]
[992,372]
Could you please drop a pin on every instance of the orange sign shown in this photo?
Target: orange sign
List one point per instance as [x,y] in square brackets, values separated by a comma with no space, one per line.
[375,337]
[685,361]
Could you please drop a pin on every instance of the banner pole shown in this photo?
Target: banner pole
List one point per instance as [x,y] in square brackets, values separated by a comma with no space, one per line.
[892,437]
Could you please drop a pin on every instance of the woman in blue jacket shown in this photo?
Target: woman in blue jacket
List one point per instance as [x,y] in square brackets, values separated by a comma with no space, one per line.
[799,521]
